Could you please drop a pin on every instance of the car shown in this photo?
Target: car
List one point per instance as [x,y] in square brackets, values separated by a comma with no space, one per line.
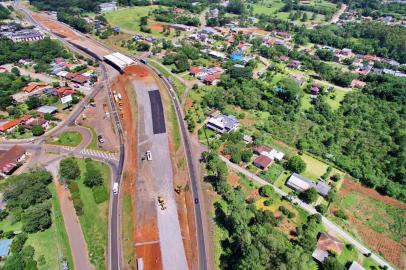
[148,155]
[196,200]
[100,139]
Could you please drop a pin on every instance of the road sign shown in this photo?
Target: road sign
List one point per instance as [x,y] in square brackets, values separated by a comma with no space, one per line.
[66,99]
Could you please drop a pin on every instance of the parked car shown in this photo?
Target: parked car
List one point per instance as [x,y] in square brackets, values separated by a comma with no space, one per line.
[100,139]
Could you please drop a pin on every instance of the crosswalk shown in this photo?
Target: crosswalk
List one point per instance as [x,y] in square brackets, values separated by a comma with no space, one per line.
[100,154]
[68,148]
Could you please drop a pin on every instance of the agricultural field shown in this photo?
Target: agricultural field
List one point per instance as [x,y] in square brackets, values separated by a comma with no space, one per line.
[128,19]
[376,220]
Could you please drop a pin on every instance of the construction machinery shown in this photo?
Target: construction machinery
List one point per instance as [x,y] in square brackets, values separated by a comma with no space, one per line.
[161,202]
[178,189]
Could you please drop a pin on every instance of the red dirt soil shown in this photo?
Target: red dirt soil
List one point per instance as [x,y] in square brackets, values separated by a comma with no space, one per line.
[151,255]
[349,185]
[137,70]
[157,27]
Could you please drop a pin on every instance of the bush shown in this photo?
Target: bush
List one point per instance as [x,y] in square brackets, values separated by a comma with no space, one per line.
[321,208]
[77,201]
[266,191]
[100,194]
[3,214]
[336,177]
[268,202]
[341,214]
[37,218]
[93,177]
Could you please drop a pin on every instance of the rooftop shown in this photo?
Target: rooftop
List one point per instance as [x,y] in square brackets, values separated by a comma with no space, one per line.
[5,246]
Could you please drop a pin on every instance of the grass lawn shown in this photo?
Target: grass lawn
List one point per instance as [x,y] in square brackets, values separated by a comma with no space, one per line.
[348,255]
[300,215]
[93,142]
[94,221]
[175,128]
[280,182]
[127,229]
[314,167]
[335,98]
[52,244]
[68,138]
[273,173]
[129,19]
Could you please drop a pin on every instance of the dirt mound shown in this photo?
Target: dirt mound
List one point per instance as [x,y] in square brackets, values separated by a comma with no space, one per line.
[157,27]
[349,185]
[137,70]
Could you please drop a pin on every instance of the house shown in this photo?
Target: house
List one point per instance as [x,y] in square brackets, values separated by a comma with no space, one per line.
[285,35]
[315,89]
[327,244]
[31,87]
[10,159]
[218,55]
[108,7]
[80,79]
[212,79]
[358,84]
[298,78]
[65,91]
[223,123]
[263,162]
[301,183]
[47,109]
[70,75]
[294,64]
[356,266]
[36,122]
[194,71]
[5,247]
[247,139]
[60,61]
[237,56]
[26,35]
[9,126]
[269,152]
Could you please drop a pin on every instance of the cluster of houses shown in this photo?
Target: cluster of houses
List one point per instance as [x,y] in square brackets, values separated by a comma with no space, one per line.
[208,76]
[59,67]
[16,34]
[266,156]
[28,121]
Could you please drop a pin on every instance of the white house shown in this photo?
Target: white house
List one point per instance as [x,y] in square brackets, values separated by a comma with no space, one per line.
[223,123]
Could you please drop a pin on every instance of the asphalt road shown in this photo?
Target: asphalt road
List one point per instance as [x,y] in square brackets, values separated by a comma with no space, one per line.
[157,111]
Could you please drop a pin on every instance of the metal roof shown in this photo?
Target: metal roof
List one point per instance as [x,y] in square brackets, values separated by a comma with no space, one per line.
[4,247]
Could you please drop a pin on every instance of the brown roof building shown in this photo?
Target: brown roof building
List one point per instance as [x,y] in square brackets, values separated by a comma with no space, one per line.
[263,162]
[325,245]
[80,79]
[9,159]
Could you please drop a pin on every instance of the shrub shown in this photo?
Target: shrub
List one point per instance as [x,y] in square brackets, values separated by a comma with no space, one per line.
[266,191]
[321,208]
[37,130]
[69,169]
[336,177]
[100,194]
[309,195]
[93,177]
[341,214]
[18,243]
[267,202]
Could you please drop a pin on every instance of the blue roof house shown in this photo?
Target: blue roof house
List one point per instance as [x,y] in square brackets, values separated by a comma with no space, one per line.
[5,247]
[237,56]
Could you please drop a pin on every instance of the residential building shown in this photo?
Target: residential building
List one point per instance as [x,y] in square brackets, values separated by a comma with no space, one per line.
[80,79]
[247,139]
[10,159]
[223,123]
[25,35]
[65,91]
[47,109]
[263,162]
[327,244]
[11,125]
[269,152]
[32,87]
[301,183]
[358,84]
[5,245]
[36,122]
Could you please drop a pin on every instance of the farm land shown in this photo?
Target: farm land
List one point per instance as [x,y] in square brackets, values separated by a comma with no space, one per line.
[379,221]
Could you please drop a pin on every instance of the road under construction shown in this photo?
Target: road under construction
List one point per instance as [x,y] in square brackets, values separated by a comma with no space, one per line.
[172,257]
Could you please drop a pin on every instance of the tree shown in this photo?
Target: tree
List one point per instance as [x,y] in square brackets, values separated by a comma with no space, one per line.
[18,243]
[246,155]
[33,102]
[93,177]
[296,164]
[37,218]
[340,214]
[309,196]
[37,130]
[321,208]
[15,71]
[332,264]
[69,169]
[236,7]
[332,196]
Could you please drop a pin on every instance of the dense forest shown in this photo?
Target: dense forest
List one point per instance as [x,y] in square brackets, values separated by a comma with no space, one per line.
[84,5]
[4,12]
[365,136]
[253,241]
[365,38]
[375,8]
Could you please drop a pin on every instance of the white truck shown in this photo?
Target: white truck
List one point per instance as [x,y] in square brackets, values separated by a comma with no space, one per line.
[115,188]
[119,96]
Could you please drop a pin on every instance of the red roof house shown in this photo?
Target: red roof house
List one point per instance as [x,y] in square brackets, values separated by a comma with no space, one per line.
[80,79]
[194,70]
[65,91]
[9,159]
[263,162]
[10,125]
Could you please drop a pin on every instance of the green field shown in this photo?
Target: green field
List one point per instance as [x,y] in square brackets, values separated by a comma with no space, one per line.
[94,221]
[129,19]
[68,138]
[127,230]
